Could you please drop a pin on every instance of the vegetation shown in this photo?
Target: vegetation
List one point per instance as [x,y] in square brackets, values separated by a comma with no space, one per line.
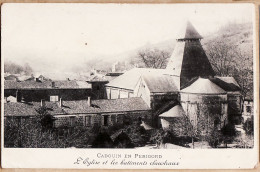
[29,133]
[248,126]
[123,141]
[230,52]
[102,140]
[228,133]
[46,120]
[13,68]
[154,58]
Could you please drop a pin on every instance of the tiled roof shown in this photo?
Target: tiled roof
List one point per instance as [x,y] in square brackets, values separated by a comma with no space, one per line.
[77,107]
[46,84]
[129,79]
[28,109]
[159,83]
[106,105]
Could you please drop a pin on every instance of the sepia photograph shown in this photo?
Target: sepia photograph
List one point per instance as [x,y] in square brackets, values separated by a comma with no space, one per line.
[133,77]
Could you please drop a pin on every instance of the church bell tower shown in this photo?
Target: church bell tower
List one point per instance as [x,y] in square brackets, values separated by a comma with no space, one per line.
[189,60]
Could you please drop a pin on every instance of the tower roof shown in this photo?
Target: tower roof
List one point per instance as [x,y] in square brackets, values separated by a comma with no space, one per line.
[188,32]
[203,86]
[176,111]
[189,59]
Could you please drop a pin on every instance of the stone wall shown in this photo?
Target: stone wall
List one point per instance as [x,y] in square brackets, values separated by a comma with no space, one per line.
[105,119]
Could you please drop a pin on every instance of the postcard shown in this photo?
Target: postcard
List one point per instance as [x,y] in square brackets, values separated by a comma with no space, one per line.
[129,86]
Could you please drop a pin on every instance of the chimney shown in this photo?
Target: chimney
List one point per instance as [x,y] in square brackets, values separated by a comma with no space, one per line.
[114,67]
[53,84]
[89,101]
[42,102]
[60,103]
[18,96]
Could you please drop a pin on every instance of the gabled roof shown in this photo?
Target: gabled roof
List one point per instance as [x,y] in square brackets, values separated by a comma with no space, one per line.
[129,79]
[46,85]
[226,83]
[161,83]
[189,32]
[203,86]
[77,107]
[176,111]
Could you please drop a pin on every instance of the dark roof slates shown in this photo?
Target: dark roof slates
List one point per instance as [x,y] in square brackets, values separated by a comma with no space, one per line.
[77,107]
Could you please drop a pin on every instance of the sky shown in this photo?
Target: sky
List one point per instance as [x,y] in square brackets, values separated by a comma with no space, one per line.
[54,37]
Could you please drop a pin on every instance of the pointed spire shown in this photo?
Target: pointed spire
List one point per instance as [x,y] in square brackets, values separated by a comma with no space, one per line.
[189,59]
[188,32]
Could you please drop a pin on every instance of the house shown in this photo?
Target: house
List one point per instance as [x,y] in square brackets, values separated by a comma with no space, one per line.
[124,85]
[30,91]
[87,113]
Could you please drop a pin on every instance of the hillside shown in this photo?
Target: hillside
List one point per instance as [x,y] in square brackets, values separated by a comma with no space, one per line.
[240,35]
[233,41]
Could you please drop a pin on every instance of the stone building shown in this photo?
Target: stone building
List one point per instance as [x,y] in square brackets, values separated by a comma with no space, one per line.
[87,113]
[188,70]
[35,91]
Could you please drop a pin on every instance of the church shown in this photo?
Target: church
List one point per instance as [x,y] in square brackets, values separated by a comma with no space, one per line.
[188,87]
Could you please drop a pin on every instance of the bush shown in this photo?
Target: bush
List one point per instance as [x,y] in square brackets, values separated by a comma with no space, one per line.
[46,120]
[248,126]
[123,141]
[214,138]
[102,140]
[138,135]
[28,133]
[228,133]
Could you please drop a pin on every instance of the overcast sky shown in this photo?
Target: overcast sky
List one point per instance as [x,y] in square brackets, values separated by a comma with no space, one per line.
[54,36]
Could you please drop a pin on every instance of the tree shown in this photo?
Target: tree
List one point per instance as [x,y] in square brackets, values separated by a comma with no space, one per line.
[46,120]
[102,140]
[229,133]
[123,141]
[214,137]
[154,58]
[228,59]
[27,69]
[14,68]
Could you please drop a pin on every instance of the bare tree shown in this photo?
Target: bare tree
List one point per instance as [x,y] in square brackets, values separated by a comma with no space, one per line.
[228,59]
[154,58]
